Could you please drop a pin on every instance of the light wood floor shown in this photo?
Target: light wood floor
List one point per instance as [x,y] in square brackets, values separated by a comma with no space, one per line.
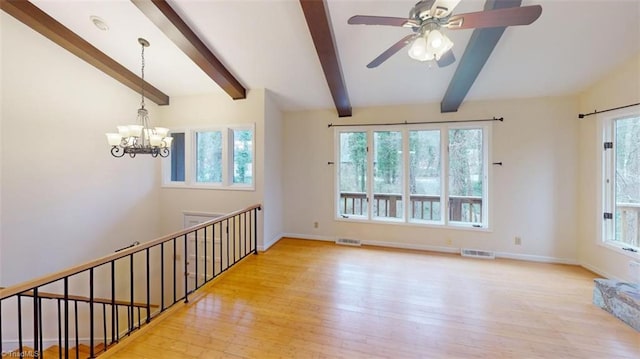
[306,299]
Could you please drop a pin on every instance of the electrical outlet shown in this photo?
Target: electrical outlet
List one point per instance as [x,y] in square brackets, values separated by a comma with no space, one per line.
[517,241]
[315,225]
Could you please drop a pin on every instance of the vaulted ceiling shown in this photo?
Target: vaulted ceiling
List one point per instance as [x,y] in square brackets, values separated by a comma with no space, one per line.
[268,44]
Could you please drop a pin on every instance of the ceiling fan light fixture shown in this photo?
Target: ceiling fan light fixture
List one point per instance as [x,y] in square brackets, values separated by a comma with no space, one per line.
[437,44]
[418,49]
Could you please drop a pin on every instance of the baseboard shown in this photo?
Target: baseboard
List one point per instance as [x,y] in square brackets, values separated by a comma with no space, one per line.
[441,249]
[419,247]
[270,243]
[309,236]
[598,271]
[535,258]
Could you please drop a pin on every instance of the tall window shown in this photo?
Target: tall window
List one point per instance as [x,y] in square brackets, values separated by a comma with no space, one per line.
[242,156]
[208,156]
[387,175]
[431,175]
[621,181]
[211,158]
[352,173]
[425,176]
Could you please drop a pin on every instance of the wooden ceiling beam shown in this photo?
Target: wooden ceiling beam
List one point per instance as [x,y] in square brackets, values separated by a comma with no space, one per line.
[170,23]
[476,54]
[317,16]
[39,21]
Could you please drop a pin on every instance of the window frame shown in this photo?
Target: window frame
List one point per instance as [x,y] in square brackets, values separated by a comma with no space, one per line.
[190,160]
[406,219]
[607,180]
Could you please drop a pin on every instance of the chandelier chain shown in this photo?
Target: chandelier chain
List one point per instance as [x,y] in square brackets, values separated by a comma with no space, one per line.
[142,73]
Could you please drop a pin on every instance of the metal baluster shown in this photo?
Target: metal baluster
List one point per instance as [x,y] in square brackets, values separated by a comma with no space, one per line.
[75,308]
[162,276]
[228,246]
[206,264]
[66,317]
[104,324]
[148,288]
[138,318]
[91,315]
[1,350]
[233,237]
[196,259]
[255,229]
[174,270]
[220,247]
[20,324]
[117,323]
[131,280]
[59,329]
[36,314]
[186,271]
[114,308]
[41,338]
[244,216]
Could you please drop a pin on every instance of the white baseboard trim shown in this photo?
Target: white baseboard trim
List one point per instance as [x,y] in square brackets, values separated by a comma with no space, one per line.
[419,247]
[309,236]
[441,249]
[599,271]
[536,258]
[265,246]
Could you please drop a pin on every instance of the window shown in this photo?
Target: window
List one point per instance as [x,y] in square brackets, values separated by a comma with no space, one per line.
[242,157]
[208,156]
[220,158]
[621,180]
[422,175]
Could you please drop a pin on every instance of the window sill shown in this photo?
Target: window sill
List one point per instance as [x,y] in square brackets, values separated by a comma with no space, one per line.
[207,187]
[617,247]
[401,222]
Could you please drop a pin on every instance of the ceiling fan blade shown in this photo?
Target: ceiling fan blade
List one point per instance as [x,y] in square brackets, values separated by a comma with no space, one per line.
[443,8]
[495,18]
[381,20]
[446,59]
[391,51]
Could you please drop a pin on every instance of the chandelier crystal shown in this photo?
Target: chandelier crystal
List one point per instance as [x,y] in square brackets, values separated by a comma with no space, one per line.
[140,138]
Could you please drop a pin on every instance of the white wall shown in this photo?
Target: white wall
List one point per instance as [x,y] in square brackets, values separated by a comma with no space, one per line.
[273,172]
[212,110]
[533,196]
[65,199]
[618,88]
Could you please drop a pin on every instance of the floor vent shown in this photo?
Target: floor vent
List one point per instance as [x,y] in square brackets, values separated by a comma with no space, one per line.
[348,242]
[476,253]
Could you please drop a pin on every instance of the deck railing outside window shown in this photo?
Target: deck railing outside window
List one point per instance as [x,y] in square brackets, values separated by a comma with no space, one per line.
[422,207]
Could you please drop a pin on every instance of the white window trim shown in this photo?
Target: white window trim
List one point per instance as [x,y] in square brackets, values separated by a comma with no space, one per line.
[604,133]
[227,160]
[406,221]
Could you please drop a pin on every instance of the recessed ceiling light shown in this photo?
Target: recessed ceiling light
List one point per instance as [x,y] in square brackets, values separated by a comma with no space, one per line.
[100,24]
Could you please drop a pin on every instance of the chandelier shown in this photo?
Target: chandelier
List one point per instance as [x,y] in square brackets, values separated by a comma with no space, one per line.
[140,138]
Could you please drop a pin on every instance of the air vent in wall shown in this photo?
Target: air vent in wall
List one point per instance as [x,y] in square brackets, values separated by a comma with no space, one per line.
[476,253]
[348,242]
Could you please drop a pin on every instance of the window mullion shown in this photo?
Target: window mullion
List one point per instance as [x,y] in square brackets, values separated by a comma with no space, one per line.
[406,195]
[370,194]
[444,175]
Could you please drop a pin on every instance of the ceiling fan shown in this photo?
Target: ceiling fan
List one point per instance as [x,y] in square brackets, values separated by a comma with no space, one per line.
[428,17]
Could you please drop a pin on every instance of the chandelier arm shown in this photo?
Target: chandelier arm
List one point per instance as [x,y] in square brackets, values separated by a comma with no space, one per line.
[164,152]
[117,151]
